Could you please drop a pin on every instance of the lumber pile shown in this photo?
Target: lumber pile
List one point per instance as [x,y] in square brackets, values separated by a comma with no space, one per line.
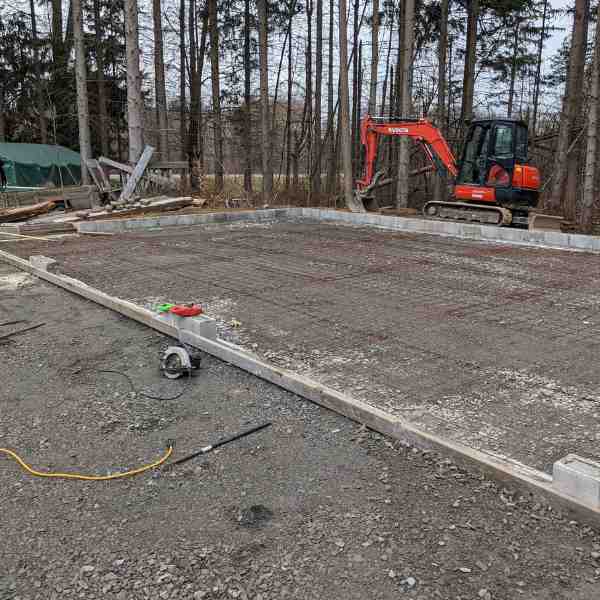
[10,215]
[139,208]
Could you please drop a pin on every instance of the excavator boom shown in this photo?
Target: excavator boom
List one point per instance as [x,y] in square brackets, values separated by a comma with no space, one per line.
[421,130]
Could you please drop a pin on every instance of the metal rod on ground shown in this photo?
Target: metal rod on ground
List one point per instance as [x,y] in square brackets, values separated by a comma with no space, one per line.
[221,442]
[12,323]
[19,331]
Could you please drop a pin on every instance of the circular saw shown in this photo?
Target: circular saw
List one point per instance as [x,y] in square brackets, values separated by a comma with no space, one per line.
[177,362]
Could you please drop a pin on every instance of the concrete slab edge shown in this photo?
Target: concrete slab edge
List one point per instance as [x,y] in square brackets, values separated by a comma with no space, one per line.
[141,223]
[468,231]
[512,473]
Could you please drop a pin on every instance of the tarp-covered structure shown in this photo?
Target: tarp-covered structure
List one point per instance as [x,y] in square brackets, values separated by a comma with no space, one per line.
[40,165]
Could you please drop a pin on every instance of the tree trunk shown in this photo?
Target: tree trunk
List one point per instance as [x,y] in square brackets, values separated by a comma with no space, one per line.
[440,180]
[200,60]
[2,117]
[469,70]
[513,66]
[182,80]
[267,172]
[159,82]
[345,138]
[247,109]
[589,191]
[192,134]
[538,73]
[354,58]
[288,152]
[39,90]
[374,59]
[104,123]
[85,148]
[570,106]
[57,31]
[402,190]
[331,160]
[309,94]
[357,168]
[316,167]
[387,73]
[135,103]
[216,92]
[58,46]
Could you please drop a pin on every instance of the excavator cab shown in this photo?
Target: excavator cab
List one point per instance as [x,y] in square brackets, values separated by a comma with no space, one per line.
[494,168]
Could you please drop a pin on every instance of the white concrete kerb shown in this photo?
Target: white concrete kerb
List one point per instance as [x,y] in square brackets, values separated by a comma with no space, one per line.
[467,231]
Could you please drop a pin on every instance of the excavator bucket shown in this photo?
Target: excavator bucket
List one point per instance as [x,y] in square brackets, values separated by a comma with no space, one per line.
[541,222]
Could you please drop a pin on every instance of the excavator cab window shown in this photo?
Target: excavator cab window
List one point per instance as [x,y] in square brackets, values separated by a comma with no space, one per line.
[521,146]
[473,165]
[490,153]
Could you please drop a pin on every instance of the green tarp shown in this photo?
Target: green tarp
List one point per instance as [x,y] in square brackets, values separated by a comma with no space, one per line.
[40,165]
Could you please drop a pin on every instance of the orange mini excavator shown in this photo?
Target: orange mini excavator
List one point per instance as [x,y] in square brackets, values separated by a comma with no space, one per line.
[493,183]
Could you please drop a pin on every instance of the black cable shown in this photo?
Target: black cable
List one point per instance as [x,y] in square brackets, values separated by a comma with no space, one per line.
[221,442]
[150,396]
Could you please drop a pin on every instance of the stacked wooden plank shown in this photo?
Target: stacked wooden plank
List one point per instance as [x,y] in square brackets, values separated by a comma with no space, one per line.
[10,215]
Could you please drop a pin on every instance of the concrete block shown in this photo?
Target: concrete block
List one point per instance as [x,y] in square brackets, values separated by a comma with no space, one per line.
[201,325]
[43,262]
[581,242]
[578,478]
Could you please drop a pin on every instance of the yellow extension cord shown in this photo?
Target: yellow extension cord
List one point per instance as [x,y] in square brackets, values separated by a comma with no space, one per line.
[80,477]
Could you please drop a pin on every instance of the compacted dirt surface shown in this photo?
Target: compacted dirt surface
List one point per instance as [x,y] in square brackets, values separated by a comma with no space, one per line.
[312,507]
[492,345]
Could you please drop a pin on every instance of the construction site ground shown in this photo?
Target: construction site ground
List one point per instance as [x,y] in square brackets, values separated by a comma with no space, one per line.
[492,345]
[313,507]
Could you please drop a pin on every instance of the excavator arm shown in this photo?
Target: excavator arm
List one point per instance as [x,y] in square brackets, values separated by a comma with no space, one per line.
[421,130]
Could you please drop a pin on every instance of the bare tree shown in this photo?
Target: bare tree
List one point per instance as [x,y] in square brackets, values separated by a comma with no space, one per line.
[470,60]
[374,59]
[405,96]
[267,169]
[344,128]
[354,58]
[192,134]
[331,155]
[308,98]
[247,110]
[538,71]
[288,119]
[216,92]
[83,117]
[438,192]
[135,103]
[39,90]
[182,78]
[159,82]
[316,167]
[104,123]
[591,156]
[570,106]
[513,65]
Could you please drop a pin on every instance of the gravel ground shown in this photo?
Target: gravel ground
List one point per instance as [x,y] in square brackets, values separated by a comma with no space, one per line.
[491,345]
[314,507]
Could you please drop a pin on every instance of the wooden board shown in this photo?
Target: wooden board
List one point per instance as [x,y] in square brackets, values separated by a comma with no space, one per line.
[10,215]
[156,207]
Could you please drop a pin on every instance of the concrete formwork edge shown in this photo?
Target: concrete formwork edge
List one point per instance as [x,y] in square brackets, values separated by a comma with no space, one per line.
[512,473]
[468,231]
